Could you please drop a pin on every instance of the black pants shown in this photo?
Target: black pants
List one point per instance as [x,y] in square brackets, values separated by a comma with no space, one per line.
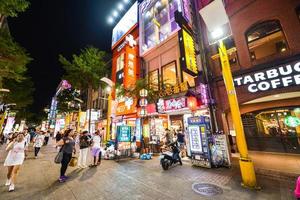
[64,163]
[100,155]
[46,140]
[36,151]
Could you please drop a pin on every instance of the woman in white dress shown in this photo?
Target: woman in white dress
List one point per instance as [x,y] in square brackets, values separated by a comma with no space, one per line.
[14,159]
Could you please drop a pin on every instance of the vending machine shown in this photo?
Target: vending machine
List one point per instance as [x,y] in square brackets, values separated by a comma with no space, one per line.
[200,140]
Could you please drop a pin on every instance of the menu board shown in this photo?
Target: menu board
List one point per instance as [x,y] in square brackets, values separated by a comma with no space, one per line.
[195,139]
[124,133]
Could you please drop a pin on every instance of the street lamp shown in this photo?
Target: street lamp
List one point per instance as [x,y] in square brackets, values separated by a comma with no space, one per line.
[219,28]
[109,89]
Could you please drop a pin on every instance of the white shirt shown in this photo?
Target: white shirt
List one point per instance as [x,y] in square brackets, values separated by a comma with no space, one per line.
[16,155]
[39,141]
[27,139]
[96,141]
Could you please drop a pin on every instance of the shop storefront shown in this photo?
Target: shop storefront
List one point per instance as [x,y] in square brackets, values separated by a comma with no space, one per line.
[270,106]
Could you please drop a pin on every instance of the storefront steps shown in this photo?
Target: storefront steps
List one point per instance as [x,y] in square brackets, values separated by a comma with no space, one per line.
[274,165]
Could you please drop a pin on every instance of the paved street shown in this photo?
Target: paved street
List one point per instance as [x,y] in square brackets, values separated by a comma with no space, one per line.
[132,179]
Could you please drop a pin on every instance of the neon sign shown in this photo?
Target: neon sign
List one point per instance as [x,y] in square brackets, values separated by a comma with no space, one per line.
[277,77]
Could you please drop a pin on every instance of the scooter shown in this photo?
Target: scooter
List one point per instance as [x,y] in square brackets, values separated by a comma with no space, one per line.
[169,158]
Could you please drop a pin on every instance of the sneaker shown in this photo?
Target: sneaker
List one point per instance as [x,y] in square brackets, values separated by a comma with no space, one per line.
[11,188]
[7,182]
[65,177]
[61,179]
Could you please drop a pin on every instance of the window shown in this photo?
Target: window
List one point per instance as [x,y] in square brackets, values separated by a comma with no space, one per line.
[231,51]
[157,21]
[153,80]
[120,62]
[266,39]
[188,78]
[169,75]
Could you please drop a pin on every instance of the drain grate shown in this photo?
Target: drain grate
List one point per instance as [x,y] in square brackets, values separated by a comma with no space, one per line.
[207,189]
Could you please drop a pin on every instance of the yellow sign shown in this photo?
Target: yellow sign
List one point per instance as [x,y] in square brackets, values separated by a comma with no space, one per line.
[182,87]
[189,48]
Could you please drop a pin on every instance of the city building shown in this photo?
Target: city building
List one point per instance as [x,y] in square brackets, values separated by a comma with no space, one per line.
[169,59]
[264,54]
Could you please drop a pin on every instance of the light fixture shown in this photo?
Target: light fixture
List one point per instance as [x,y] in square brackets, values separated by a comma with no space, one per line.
[110,20]
[217,33]
[108,89]
[120,6]
[115,13]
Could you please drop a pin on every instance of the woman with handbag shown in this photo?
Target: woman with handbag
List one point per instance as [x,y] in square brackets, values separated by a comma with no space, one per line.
[68,147]
[14,159]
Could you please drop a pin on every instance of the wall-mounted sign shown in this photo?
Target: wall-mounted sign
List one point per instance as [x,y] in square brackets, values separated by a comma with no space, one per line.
[124,133]
[130,68]
[271,78]
[168,91]
[292,121]
[195,139]
[126,106]
[125,24]
[187,51]
[171,104]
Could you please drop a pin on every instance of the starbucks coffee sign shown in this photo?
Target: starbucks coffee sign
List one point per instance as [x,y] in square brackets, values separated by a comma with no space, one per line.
[271,78]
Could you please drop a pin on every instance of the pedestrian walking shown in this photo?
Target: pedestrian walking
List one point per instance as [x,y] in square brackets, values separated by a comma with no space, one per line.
[38,142]
[27,142]
[68,147]
[14,159]
[96,149]
[84,143]
[47,136]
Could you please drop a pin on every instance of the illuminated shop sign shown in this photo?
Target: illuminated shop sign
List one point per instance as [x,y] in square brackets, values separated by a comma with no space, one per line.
[125,24]
[182,87]
[171,104]
[126,106]
[187,51]
[124,133]
[273,78]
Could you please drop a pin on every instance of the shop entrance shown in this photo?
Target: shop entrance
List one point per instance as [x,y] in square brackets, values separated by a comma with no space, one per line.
[273,130]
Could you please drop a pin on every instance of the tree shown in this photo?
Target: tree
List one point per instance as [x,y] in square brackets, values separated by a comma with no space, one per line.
[86,70]
[66,101]
[134,91]
[20,92]
[11,8]
[13,58]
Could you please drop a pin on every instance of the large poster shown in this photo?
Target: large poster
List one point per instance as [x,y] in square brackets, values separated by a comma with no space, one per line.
[125,24]
[195,139]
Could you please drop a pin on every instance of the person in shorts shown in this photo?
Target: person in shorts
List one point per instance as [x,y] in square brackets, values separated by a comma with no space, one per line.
[96,149]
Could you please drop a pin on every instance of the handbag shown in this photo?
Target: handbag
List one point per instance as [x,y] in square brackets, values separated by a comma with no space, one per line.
[73,161]
[59,156]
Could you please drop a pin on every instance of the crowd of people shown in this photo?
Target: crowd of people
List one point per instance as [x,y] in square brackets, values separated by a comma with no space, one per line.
[66,143]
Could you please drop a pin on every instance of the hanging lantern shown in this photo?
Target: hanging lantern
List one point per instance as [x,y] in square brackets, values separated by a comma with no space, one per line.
[143,112]
[192,103]
[143,93]
[143,102]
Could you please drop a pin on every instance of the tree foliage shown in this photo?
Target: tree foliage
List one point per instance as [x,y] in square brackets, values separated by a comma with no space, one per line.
[66,101]
[134,91]
[20,92]
[86,69]
[11,8]
[13,58]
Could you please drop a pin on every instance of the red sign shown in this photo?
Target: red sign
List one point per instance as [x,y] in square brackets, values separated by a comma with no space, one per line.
[130,69]
[171,104]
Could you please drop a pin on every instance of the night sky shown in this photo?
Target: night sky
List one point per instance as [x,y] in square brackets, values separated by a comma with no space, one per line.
[49,28]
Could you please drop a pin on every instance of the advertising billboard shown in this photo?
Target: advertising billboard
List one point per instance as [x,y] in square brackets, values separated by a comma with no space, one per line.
[125,24]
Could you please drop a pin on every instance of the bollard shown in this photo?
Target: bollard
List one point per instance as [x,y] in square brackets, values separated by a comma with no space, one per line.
[297,189]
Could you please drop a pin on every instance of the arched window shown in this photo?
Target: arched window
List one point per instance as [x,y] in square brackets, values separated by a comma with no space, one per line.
[298,11]
[266,39]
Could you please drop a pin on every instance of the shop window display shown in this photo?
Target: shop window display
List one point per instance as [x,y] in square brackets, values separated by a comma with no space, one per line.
[169,75]
[266,39]
[276,130]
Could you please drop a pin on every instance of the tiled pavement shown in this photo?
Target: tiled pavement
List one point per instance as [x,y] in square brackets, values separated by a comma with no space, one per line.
[132,179]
